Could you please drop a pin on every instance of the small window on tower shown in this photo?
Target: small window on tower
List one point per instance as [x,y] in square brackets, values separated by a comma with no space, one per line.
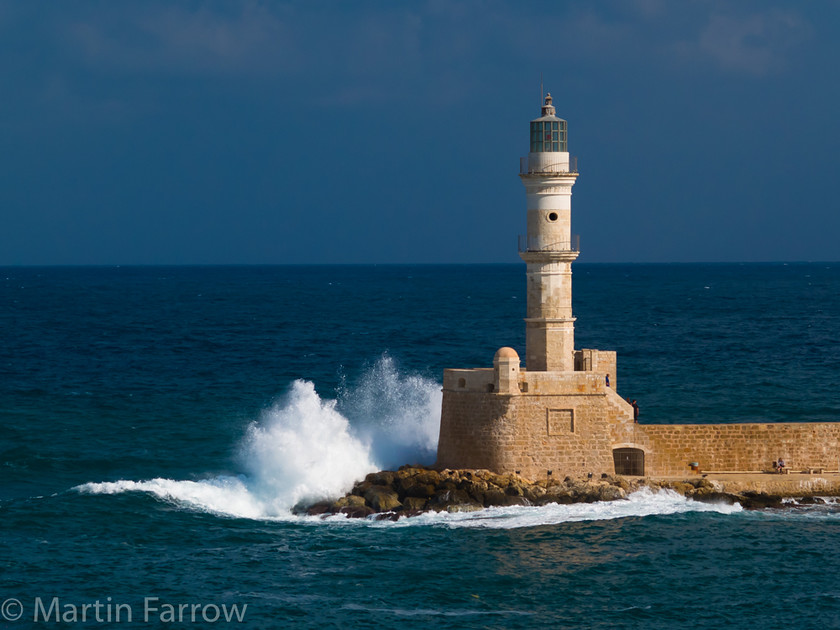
[552,216]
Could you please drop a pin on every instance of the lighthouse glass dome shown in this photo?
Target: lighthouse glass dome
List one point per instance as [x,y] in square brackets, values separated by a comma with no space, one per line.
[548,134]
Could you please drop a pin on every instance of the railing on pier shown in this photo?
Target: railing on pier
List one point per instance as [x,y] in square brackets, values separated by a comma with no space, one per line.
[540,166]
[533,244]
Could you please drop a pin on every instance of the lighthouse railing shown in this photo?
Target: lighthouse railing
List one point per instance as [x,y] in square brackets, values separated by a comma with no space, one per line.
[528,167]
[535,244]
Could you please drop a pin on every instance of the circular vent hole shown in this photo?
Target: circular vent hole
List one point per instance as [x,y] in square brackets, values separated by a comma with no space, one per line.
[552,216]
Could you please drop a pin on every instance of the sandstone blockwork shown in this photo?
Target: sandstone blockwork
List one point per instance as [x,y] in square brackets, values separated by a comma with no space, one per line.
[560,424]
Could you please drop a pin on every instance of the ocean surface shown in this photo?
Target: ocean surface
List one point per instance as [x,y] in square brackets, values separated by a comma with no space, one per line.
[158,424]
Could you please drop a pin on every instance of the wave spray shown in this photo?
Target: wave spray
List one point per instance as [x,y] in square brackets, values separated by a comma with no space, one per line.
[304,448]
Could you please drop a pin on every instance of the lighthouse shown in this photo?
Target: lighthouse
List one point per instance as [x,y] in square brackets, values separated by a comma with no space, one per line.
[548,248]
[560,414]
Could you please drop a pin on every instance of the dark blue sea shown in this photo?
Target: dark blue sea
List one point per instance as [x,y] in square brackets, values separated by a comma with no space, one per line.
[157,424]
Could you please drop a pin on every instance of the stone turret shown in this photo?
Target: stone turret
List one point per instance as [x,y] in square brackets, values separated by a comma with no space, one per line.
[506,371]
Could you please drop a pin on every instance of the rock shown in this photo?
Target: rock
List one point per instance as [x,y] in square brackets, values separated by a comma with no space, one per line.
[350,500]
[446,485]
[427,476]
[534,494]
[414,504]
[382,499]
[505,500]
[557,494]
[357,512]
[591,493]
[387,516]
[611,493]
[407,477]
[682,488]
[702,482]
[622,483]
[419,490]
[322,507]
[494,496]
[464,507]
[452,497]
[473,485]
[412,489]
[382,478]
[753,500]
[711,496]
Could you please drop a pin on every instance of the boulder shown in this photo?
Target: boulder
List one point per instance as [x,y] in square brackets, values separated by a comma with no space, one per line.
[420,490]
[622,483]
[557,494]
[381,478]
[414,504]
[350,500]
[464,507]
[753,500]
[382,498]
[701,482]
[534,493]
[711,496]
[611,493]
[495,496]
[407,477]
[357,512]
[322,507]
[452,497]
[681,487]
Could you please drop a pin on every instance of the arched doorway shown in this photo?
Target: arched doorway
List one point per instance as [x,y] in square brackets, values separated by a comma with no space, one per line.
[629,461]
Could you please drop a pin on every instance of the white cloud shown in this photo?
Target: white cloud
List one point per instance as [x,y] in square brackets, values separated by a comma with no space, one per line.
[175,39]
[756,44]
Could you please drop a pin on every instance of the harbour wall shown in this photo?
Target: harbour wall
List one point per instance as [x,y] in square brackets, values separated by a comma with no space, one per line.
[543,424]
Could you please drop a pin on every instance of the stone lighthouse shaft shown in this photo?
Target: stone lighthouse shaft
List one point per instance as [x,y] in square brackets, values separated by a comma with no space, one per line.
[548,248]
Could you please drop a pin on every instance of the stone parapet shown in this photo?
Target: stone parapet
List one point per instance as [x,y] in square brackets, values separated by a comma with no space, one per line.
[741,447]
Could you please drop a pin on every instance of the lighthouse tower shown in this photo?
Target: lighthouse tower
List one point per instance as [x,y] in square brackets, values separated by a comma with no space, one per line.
[561,415]
[548,248]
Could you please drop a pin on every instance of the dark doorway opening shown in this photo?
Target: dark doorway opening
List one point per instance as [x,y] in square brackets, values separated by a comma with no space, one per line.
[629,461]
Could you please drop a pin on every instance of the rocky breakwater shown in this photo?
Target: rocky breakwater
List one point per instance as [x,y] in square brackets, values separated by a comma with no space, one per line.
[410,491]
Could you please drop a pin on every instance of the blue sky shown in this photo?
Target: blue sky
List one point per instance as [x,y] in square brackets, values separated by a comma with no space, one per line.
[200,132]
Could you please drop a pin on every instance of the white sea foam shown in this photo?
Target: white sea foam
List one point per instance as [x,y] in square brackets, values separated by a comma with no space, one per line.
[222,495]
[305,448]
[639,504]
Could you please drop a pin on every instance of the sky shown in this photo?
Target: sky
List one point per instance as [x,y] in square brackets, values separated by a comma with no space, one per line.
[271,132]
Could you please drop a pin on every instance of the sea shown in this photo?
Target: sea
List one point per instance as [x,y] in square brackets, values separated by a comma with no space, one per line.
[159,424]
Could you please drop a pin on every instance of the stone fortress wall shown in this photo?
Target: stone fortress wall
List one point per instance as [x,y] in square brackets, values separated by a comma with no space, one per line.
[542,424]
[742,447]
